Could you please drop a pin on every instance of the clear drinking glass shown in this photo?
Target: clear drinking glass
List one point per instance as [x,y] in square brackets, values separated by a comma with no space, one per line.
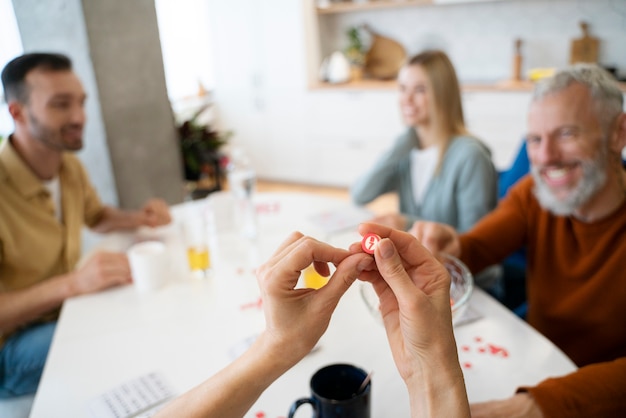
[242,182]
[196,237]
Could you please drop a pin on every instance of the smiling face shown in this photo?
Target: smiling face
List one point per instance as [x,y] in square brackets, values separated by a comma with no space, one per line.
[415,95]
[567,150]
[54,114]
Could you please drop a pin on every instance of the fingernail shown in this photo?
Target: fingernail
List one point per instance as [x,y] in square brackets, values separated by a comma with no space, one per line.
[386,248]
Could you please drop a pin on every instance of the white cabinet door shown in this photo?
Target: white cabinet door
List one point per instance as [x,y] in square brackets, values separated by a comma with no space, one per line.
[499,119]
[290,132]
[349,131]
[319,136]
[236,35]
[260,79]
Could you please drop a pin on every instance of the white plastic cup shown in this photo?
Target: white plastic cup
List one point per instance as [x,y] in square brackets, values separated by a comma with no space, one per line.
[148,265]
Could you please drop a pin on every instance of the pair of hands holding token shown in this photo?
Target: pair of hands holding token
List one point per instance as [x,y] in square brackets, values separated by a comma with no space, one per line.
[414,293]
[413,289]
[412,286]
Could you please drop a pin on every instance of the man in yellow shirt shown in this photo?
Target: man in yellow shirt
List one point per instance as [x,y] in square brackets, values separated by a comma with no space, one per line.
[46,198]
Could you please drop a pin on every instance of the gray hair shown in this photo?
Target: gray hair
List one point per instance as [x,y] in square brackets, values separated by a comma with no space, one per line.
[607,97]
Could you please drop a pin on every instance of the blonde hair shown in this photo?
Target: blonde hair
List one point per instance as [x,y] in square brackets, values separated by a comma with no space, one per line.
[446,96]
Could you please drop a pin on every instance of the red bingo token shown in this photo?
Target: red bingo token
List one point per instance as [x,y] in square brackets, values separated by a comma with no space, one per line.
[369,243]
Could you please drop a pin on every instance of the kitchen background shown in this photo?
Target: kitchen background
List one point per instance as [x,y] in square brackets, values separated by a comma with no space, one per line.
[479,36]
[330,136]
[261,59]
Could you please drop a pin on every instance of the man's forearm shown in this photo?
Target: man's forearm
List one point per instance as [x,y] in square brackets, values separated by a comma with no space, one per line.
[114,219]
[19,307]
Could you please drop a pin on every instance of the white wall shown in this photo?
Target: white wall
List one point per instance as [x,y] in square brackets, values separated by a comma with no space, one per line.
[10,47]
[185,43]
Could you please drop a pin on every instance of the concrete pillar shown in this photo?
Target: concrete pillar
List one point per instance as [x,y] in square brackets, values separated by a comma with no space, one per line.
[131,151]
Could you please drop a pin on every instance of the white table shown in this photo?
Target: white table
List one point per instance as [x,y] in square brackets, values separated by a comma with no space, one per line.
[191,328]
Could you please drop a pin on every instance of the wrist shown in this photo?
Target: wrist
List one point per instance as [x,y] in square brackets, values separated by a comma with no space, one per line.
[137,219]
[439,391]
[264,360]
[283,355]
[69,285]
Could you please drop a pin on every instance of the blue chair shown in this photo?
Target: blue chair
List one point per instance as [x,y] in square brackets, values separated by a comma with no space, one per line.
[519,168]
[514,266]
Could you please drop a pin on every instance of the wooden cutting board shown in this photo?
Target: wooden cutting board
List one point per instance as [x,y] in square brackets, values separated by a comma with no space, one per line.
[384,58]
[584,49]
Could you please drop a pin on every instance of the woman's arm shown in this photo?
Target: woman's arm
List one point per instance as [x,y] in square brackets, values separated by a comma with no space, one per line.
[414,293]
[383,177]
[295,321]
[477,193]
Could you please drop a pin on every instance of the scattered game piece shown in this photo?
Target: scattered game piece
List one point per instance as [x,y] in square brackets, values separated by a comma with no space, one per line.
[474,354]
[369,243]
[258,304]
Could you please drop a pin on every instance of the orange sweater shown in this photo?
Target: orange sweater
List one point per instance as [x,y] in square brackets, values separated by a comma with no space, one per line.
[576,287]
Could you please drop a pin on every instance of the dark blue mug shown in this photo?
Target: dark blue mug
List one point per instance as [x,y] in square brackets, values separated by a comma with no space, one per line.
[335,393]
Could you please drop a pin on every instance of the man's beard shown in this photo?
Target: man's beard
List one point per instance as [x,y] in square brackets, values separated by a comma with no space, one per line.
[51,138]
[594,177]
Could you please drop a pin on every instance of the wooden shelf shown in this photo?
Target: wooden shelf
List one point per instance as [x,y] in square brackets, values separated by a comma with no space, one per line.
[365,85]
[370,5]
[356,85]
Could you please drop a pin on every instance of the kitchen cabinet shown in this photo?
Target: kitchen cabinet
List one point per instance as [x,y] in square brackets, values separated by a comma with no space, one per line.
[499,119]
[325,33]
[348,131]
[322,136]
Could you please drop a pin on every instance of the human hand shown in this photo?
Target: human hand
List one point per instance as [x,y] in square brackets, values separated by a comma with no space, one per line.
[155,212]
[520,405]
[101,271]
[437,237]
[297,318]
[414,292]
[392,220]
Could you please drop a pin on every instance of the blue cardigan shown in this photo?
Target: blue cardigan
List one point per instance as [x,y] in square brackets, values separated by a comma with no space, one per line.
[462,192]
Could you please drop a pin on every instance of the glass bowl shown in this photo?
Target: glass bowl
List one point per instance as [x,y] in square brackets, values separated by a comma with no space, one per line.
[461,287]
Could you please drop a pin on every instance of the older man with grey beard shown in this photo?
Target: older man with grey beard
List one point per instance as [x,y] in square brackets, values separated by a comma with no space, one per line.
[570,213]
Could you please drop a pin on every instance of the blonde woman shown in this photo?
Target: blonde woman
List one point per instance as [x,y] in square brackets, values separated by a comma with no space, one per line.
[440,172]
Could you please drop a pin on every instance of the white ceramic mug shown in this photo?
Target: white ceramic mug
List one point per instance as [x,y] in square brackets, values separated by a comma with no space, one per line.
[148,265]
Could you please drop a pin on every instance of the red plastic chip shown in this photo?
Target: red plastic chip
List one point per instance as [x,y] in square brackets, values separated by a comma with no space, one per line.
[369,243]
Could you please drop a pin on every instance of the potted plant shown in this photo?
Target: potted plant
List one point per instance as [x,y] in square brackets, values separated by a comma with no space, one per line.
[355,52]
[200,149]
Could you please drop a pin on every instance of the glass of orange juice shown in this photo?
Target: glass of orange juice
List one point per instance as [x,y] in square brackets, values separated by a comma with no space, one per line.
[196,237]
[312,279]
[198,258]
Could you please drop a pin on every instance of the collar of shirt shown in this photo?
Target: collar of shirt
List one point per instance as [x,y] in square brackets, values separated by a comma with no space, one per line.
[14,169]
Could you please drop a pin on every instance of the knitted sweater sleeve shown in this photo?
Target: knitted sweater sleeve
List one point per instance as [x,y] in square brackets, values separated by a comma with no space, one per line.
[500,232]
[596,390]
[476,194]
[383,177]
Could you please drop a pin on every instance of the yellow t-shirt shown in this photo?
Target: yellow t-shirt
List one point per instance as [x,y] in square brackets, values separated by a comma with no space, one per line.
[34,245]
